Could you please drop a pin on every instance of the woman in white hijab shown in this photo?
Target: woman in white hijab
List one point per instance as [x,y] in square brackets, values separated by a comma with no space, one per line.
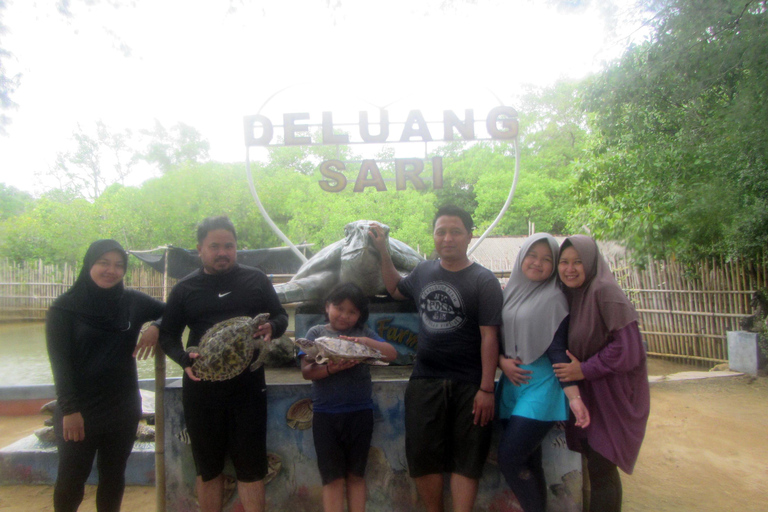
[529,396]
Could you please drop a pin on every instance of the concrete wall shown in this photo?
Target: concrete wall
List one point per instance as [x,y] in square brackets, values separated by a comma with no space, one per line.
[294,484]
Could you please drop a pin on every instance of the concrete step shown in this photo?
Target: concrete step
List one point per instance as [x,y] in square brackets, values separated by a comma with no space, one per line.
[30,461]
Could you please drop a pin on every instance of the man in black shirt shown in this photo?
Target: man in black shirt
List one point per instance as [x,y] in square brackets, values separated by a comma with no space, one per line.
[227,417]
[449,401]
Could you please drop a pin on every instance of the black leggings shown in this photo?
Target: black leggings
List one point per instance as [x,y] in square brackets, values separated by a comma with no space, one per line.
[520,461]
[75,461]
[604,482]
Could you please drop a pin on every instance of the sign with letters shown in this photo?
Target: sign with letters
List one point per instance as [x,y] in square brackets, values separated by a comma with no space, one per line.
[301,129]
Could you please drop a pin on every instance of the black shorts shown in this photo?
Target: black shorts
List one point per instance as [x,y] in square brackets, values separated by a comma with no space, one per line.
[342,441]
[239,431]
[440,434]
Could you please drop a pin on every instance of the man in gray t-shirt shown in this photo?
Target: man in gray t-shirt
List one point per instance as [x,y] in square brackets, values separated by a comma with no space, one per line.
[449,402]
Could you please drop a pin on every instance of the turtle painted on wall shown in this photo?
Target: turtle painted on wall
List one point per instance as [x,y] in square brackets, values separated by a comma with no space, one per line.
[226,349]
[325,349]
[351,260]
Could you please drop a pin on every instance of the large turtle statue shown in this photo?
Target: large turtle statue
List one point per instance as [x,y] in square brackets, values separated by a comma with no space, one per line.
[353,259]
[226,349]
[326,348]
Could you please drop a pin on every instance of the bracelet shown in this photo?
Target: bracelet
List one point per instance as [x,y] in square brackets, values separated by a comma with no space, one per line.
[484,391]
[574,398]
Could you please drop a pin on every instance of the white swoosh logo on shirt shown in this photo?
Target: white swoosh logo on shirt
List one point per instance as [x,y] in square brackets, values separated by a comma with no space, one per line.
[224,294]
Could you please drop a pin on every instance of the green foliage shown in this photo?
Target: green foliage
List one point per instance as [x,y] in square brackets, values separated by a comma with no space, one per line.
[315,216]
[56,229]
[100,158]
[552,137]
[676,161]
[168,149]
[166,210]
[13,201]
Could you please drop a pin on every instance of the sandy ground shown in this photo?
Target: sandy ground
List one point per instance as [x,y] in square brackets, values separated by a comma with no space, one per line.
[706,449]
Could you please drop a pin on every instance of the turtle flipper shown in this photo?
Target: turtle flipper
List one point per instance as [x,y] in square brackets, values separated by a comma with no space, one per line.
[313,287]
[263,347]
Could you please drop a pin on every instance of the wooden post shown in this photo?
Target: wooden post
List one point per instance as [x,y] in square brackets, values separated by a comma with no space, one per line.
[160,410]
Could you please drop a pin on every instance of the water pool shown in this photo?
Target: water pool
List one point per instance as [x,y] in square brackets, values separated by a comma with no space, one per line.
[24,358]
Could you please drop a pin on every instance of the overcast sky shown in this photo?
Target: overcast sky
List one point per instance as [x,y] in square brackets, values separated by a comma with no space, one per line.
[208,64]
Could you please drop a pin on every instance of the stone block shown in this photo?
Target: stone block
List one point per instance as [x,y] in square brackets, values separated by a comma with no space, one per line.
[744,352]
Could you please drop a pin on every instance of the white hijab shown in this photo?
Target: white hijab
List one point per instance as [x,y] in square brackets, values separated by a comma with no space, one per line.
[533,310]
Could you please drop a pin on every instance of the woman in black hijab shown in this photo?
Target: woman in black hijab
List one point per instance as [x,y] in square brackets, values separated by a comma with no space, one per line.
[91,333]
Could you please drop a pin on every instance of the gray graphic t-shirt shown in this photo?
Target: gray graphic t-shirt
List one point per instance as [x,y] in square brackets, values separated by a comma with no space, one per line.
[452,306]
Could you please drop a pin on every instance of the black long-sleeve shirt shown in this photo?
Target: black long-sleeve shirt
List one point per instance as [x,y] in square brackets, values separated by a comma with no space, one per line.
[201,300]
[556,351]
[93,369]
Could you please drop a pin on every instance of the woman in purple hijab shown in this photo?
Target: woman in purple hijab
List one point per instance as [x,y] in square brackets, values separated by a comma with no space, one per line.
[608,362]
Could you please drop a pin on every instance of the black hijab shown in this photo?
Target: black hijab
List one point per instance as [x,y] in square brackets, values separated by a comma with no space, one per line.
[103,308]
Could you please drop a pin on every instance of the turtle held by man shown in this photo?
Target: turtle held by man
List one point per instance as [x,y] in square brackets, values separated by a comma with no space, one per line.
[326,348]
[351,260]
[227,348]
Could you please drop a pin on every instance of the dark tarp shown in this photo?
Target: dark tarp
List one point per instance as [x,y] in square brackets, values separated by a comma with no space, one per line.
[277,260]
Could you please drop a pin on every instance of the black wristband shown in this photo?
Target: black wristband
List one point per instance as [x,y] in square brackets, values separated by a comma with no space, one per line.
[484,391]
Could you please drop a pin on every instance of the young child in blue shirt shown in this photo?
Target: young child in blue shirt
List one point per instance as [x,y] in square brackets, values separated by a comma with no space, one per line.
[342,423]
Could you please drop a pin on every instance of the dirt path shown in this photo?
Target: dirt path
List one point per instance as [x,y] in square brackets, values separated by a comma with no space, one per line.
[706,449]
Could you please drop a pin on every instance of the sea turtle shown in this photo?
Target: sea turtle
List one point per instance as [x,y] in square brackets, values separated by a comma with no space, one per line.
[351,260]
[145,433]
[226,349]
[325,349]
[46,435]
[147,406]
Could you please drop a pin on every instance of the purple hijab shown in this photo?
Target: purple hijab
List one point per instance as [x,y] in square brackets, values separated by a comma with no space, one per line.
[599,306]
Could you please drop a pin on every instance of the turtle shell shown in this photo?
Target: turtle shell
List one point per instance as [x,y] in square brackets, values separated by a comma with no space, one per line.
[226,349]
[335,349]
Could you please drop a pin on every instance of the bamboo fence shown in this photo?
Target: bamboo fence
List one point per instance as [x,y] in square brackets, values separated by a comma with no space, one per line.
[27,289]
[684,313]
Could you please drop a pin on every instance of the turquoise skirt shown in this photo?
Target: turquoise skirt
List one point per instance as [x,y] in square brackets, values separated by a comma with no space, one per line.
[542,398]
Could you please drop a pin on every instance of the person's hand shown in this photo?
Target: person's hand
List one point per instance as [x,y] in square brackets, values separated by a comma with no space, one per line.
[483,408]
[74,427]
[147,343]
[189,371]
[569,372]
[264,330]
[515,374]
[580,411]
[377,236]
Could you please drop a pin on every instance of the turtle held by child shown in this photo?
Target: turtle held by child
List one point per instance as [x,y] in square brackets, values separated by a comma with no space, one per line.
[226,349]
[325,348]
